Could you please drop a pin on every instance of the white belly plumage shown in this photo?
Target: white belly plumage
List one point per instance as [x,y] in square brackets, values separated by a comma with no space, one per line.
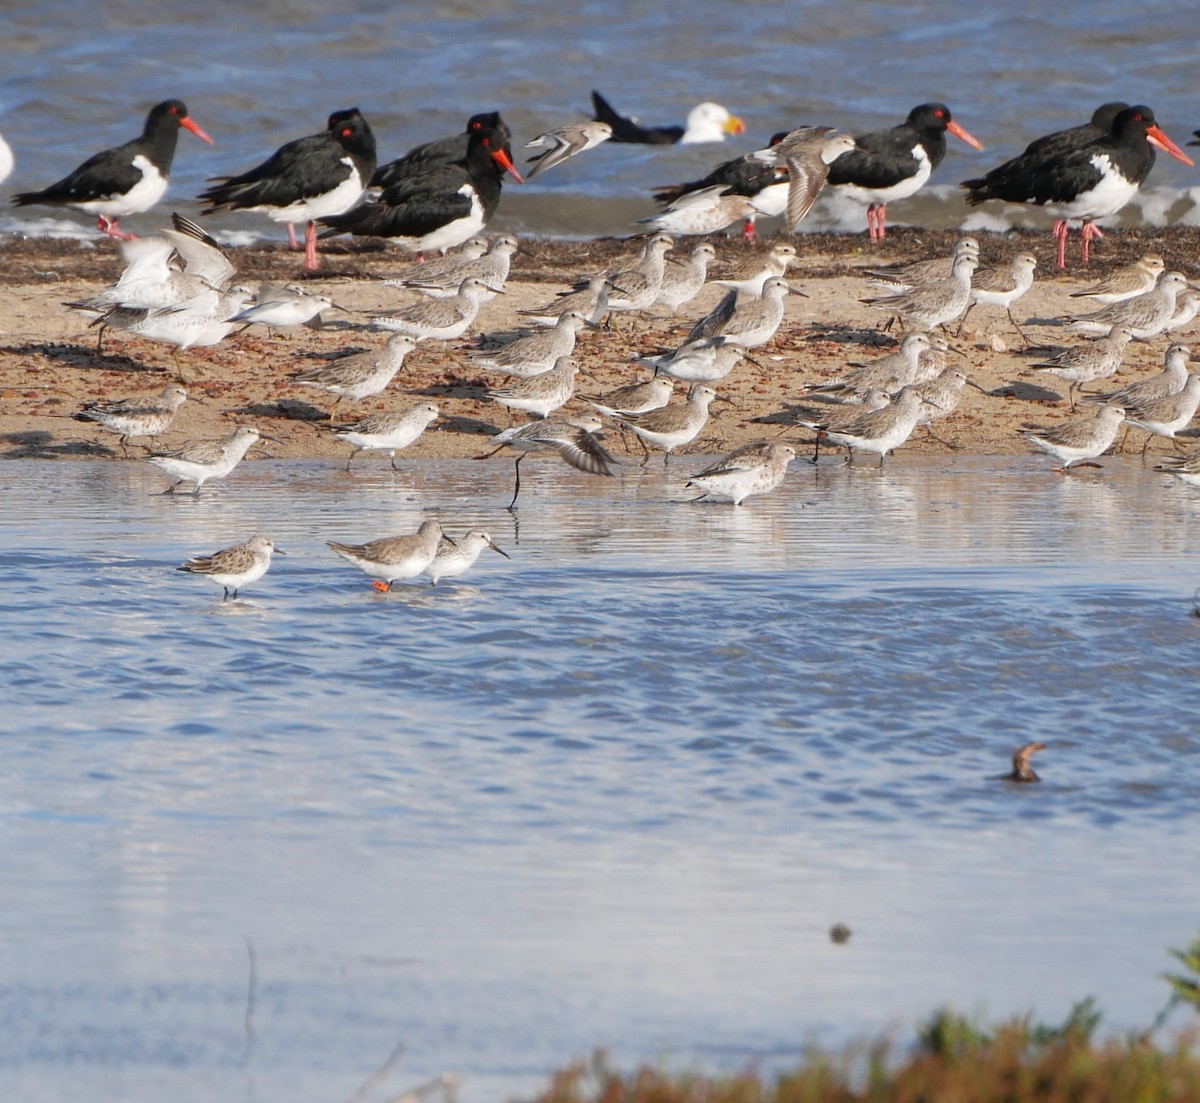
[910,185]
[452,233]
[1103,199]
[337,201]
[141,197]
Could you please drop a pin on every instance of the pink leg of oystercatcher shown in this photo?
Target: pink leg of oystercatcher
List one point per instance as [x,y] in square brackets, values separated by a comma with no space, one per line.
[311,264]
[1089,231]
[1061,230]
[876,219]
[110,227]
[293,241]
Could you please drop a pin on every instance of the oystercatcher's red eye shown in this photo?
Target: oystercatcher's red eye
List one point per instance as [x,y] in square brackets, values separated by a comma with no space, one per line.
[346,132]
[477,126]
[940,114]
[487,141]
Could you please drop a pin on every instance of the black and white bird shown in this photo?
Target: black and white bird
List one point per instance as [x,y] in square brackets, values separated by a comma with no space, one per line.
[305,180]
[892,164]
[1079,176]
[1075,136]
[441,151]
[441,206]
[706,122]
[125,180]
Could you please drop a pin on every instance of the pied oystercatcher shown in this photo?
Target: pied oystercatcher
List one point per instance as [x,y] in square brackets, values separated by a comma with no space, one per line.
[127,179]
[1084,178]
[895,163]
[302,181]
[1100,125]
[442,151]
[443,205]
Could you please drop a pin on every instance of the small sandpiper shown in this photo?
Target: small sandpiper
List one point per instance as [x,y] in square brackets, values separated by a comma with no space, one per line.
[436,270]
[1090,361]
[1080,440]
[576,440]
[455,559]
[491,270]
[278,307]
[914,273]
[936,303]
[756,468]
[233,568]
[1133,279]
[1146,315]
[361,374]
[437,319]
[206,459]
[203,320]
[136,417]
[672,426]
[836,418]
[537,352]
[589,298]
[541,395]
[386,432]
[807,151]
[879,431]
[705,211]
[1167,415]
[565,142]
[748,276]
[755,321]
[393,558]
[1170,380]
[636,287]
[683,280]
[1002,287]
[704,360]
[634,398]
[888,373]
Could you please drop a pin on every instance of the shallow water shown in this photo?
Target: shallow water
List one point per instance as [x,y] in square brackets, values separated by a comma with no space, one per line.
[258,75]
[612,792]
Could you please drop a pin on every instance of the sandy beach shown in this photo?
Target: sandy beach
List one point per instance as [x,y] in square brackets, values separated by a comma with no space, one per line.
[50,366]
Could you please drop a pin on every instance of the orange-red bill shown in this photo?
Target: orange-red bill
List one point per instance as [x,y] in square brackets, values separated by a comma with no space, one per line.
[735,126]
[959,132]
[1156,137]
[504,161]
[186,121]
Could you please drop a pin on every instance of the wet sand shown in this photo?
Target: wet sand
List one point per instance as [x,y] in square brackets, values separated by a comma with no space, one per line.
[50,366]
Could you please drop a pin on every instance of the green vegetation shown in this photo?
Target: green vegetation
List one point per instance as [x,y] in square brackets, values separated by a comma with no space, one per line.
[1184,989]
[954,1060]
